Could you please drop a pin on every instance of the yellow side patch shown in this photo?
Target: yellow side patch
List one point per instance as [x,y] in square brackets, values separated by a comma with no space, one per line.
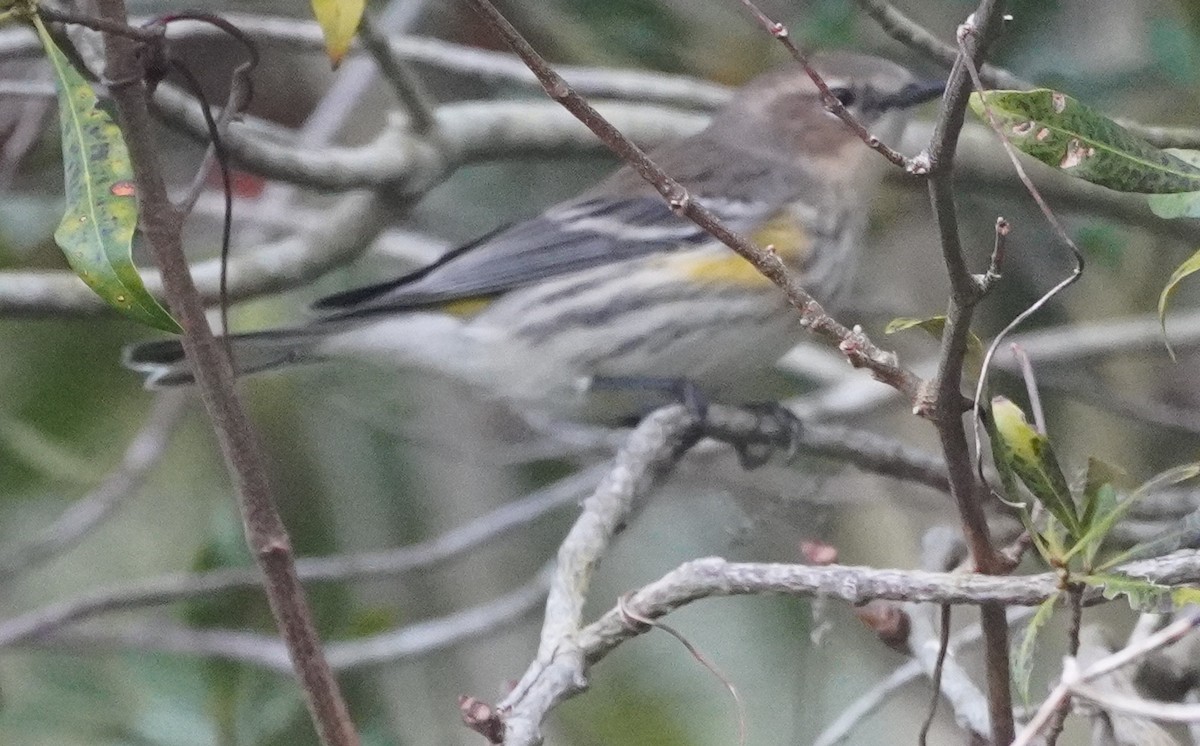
[788,238]
[726,268]
[466,306]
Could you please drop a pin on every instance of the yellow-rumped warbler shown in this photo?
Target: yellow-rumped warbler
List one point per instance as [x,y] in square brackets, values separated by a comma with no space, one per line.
[612,284]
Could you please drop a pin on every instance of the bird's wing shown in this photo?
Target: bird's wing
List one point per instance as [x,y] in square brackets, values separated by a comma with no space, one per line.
[743,189]
[567,238]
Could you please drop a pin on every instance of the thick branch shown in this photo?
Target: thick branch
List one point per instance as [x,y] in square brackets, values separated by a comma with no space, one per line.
[981,29]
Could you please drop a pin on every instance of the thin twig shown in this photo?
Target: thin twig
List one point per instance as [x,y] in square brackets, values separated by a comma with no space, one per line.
[340,568]
[394,69]
[405,643]
[558,670]
[161,225]
[1031,386]
[1051,218]
[911,34]
[240,92]
[338,105]
[97,23]
[841,728]
[914,36]
[274,267]
[739,706]
[936,679]
[1075,604]
[831,102]
[1072,677]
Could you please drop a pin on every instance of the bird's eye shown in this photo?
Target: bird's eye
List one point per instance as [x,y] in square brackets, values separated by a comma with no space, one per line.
[845,95]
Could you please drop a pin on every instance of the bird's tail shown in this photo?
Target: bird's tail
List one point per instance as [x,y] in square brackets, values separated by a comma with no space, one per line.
[163,364]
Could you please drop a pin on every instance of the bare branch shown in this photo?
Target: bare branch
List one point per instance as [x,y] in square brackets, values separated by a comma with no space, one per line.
[182,587]
[405,643]
[842,727]
[560,675]
[418,105]
[911,34]
[831,102]
[916,37]
[1073,678]
[273,268]
[140,457]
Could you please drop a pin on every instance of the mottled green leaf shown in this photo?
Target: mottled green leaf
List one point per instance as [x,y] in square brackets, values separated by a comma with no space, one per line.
[935,325]
[96,232]
[1188,268]
[1072,137]
[1029,455]
[1177,204]
[1022,660]
[1047,541]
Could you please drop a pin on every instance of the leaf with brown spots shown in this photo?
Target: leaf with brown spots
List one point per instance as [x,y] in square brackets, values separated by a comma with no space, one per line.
[96,232]
[1081,142]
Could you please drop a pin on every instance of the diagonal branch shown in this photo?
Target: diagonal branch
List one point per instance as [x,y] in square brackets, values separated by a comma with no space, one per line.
[859,350]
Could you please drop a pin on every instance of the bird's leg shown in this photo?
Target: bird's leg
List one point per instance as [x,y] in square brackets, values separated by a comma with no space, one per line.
[756,450]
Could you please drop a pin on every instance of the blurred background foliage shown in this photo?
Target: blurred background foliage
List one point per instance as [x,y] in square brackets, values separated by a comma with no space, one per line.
[364,459]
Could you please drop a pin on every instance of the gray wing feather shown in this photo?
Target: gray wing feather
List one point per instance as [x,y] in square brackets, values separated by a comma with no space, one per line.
[592,230]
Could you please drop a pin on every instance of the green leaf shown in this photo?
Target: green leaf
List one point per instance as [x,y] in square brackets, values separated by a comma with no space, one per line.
[1022,662]
[1045,544]
[1029,455]
[1143,595]
[1169,477]
[1178,204]
[96,232]
[1099,476]
[935,325]
[1182,532]
[1109,510]
[1079,141]
[339,21]
[1189,267]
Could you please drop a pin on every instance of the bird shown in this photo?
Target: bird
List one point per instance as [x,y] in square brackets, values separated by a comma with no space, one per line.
[612,289]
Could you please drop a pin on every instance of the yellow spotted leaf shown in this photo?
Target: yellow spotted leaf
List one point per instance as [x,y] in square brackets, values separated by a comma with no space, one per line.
[96,232]
[339,22]
[1022,451]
